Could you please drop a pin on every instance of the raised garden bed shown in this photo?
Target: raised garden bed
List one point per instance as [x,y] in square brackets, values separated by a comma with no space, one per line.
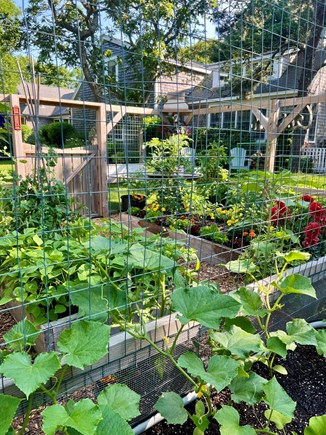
[207,251]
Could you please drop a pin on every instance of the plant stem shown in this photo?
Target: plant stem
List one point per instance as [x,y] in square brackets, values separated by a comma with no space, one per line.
[176,339]
[27,415]
[265,431]
[48,393]
[170,357]
[62,374]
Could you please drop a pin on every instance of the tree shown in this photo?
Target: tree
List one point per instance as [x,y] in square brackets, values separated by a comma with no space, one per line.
[274,26]
[205,51]
[69,32]
[155,31]
[72,31]
[254,27]
[10,40]
[53,75]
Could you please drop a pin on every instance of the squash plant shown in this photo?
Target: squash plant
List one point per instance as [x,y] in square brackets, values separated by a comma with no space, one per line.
[83,268]
[236,344]
[81,345]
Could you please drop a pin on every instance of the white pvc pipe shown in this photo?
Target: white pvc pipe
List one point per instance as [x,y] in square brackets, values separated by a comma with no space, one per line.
[142,427]
[319,324]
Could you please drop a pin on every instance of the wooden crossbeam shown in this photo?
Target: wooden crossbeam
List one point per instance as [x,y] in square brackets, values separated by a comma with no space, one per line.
[79,168]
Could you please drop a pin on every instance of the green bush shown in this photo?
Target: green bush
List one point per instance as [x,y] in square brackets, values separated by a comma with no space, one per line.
[57,133]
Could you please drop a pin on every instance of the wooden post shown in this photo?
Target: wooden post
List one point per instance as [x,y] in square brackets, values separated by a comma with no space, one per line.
[272,136]
[102,166]
[17,140]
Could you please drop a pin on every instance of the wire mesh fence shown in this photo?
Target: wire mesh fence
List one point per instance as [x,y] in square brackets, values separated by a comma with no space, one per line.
[147,148]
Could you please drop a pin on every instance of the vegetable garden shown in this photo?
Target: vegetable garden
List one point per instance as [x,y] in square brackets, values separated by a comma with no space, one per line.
[146,273]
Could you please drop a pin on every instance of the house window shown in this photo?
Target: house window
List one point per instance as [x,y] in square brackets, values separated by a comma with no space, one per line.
[113,69]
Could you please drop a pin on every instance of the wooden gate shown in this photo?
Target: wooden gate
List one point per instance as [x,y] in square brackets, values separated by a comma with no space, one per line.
[82,170]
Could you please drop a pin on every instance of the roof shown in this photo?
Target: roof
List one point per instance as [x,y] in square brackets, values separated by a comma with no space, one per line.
[289,81]
[48,92]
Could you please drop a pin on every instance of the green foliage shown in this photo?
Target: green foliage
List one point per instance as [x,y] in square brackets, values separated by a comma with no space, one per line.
[53,273]
[229,419]
[56,133]
[317,425]
[166,157]
[213,232]
[23,334]
[171,407]
[85,417]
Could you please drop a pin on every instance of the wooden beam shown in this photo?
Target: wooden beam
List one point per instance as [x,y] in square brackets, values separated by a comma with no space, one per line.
[271,137]
[79,168]
[116,119]
[17,142]
[260,117]
[101,162]
[30,149]
[289,118]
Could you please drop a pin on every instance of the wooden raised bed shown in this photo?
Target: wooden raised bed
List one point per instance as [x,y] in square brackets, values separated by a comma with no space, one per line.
[207,251]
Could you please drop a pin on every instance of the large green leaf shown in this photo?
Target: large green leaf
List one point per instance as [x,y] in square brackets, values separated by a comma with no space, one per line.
[229,419]
[278,400]
[90,301]
[321,342]
[121,399]
[220,372]
[317,426]
[252,303]
[241,266]
[204,305]
[192,363]
[297,284]
[21,335]
[84,343]
[82,416]
[8,406]
[113,423]
[149,260]
[171,407]
[301,332]
[276,345]
[296,256]
[107,245]
[239,342]
[249,390]
[28,376]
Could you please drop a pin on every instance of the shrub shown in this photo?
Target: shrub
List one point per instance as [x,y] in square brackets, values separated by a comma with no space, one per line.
[57,133]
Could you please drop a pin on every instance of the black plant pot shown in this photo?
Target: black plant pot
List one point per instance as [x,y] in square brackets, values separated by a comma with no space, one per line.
[131,201]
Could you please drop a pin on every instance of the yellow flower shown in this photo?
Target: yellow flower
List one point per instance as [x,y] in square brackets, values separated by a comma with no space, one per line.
[163,209]
[229,222]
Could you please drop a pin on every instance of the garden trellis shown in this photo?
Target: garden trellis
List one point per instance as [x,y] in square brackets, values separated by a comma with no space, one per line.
[152,157]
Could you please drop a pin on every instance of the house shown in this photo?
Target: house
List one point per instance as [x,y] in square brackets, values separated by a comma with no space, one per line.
[126,136]
[47,114]
[222,87]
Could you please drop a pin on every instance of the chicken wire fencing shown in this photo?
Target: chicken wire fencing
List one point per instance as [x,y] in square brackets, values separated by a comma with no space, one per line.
[146,147]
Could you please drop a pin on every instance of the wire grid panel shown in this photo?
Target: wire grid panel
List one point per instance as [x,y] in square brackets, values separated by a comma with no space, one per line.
[208,122]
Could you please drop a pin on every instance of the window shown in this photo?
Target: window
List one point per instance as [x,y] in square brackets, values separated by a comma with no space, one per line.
[113,69]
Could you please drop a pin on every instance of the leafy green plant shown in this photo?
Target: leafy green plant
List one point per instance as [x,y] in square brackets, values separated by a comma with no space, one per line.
[80,346]
[56,133]
[264,255]
[90,267]
[213,232]
[236,345]
[166,155]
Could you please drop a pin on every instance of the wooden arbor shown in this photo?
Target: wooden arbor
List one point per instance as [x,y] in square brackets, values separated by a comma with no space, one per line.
[84,170]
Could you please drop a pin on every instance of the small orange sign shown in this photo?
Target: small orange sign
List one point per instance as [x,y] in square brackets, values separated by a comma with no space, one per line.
[16,118]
